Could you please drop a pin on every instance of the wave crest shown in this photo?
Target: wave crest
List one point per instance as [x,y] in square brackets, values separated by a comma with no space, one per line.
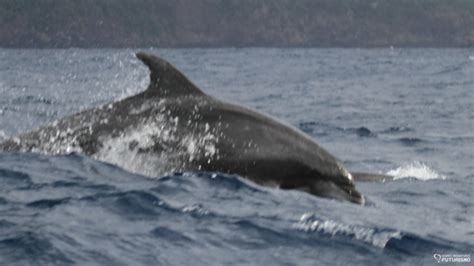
[379,238]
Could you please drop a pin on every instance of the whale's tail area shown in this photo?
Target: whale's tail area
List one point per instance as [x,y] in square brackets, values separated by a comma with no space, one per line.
[165,79]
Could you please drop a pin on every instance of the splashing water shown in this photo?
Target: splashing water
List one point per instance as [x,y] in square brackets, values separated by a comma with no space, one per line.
[379,238]
[3,135]
[416,170]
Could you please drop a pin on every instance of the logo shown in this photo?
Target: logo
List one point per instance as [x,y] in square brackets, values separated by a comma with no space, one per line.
[459,258]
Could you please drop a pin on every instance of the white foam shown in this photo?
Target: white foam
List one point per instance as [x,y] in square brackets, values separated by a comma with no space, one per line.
[3,135]
[156,147]
[416,170]
[196,209]
[309,223]
[200,145]
[124,150]
[471,57]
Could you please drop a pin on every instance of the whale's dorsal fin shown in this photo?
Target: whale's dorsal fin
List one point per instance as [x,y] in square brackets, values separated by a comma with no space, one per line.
[165,79]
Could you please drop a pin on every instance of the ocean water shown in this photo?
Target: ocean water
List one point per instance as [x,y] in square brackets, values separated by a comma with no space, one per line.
[404,112]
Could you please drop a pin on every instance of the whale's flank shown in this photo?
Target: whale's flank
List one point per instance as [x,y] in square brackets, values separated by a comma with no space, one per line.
[174,126]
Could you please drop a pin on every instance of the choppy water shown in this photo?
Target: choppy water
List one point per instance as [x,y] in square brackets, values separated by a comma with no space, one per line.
[405,112]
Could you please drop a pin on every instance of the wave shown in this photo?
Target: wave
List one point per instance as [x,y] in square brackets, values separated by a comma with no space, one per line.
[417,170]
[390,240]
[410,141]
[29,99]
[411,244]
[452,69]
[3,135]
[323,129]
[76,203]
[314,128]
[26,247]
[362,131]
[397,129]
[376,237]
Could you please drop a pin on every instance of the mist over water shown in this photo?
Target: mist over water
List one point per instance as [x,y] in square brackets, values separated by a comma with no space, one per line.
[407,113]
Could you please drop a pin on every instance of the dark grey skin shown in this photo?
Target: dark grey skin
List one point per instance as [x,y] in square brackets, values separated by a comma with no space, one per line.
[197,132]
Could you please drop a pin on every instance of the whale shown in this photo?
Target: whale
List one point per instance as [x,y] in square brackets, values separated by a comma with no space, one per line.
[174,126]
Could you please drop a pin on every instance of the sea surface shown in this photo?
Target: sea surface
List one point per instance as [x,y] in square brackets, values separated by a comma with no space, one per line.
[404,112]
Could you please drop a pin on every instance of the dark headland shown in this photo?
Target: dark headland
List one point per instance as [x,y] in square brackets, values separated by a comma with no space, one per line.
[236,23]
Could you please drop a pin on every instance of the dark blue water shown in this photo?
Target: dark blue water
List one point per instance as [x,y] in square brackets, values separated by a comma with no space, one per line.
[405,112]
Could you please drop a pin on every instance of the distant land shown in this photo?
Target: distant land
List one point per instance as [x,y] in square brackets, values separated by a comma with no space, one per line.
[236,23]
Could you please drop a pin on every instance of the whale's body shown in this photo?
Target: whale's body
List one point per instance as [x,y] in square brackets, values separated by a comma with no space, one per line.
[175,121]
